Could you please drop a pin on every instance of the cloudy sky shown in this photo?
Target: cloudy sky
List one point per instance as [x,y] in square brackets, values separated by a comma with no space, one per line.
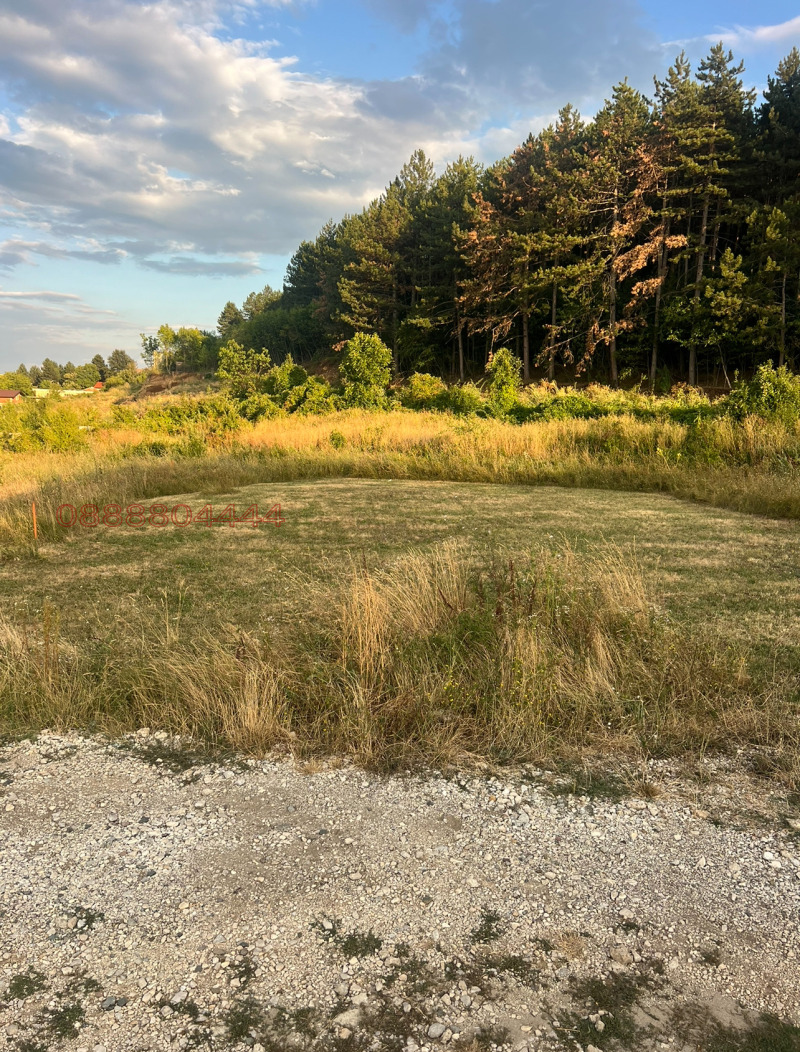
[159,158]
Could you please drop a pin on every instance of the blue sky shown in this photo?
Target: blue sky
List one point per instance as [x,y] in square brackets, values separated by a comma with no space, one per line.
[160,158]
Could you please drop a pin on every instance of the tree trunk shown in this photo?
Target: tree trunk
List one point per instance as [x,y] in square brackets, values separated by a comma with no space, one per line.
[551,354]
[698,277]
[662,277]
[612,325]
[460,329]
[526,349]
[394,325]
[782,346]
[612,302]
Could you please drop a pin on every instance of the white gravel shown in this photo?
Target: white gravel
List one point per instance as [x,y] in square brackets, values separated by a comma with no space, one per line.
[262,905]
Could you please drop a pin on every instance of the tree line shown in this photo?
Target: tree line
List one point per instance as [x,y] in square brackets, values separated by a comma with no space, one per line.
[659,239]
[69,377]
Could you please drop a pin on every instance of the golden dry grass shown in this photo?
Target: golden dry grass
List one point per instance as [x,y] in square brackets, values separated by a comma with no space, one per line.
[442,658]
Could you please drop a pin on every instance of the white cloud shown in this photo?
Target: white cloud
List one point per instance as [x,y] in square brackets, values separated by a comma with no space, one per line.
[136,125]
[748,37]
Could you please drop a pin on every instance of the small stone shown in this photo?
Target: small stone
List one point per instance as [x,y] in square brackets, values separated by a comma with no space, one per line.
[436,1030]
[345,1032]
[108,1003]
[472,882]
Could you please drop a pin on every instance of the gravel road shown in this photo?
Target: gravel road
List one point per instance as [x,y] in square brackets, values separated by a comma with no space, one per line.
[150,899]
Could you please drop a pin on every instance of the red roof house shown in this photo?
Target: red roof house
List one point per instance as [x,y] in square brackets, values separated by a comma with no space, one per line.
[99,385]
[10,396]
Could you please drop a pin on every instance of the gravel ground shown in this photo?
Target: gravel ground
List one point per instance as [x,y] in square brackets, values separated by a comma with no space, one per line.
[152,900]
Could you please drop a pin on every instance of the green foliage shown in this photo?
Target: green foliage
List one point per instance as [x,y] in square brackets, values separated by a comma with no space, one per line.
[282,378]
[462,400]
[313,395]
[119,362]
[215,415]
[242,371]
[422,390]
[773,394]
[44,424]
[16,382]
[504,368]
[258,407]
[365,371]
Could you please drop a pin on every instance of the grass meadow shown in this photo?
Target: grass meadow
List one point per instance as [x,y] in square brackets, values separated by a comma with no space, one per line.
[442,591]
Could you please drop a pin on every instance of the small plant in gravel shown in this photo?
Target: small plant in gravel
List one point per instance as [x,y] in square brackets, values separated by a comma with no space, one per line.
[360,943]
[489,928]
[489,1037]
[511,964]
[244,1019]
[65,1021]
[243,968]
[83,985]
[25,984]
[694,1024]
[87,918]
[612,998]
[352,944]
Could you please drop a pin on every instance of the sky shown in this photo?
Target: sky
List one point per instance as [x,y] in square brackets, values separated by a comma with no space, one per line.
[160,158]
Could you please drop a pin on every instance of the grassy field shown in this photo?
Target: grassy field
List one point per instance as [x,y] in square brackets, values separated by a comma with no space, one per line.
[444,589]
[386,619]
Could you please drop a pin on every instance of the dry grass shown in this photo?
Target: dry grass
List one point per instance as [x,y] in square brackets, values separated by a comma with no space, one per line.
[442,659]
[749,467]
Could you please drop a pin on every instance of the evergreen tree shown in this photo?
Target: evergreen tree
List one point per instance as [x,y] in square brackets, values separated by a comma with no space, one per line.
[372,288]
[230,317]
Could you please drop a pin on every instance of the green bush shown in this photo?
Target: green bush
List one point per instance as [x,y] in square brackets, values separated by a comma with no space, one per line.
[123,415]
[773,394]
[422,390]
[242,371]
[258,407]
[504,370]
[215,414]
[314,395]
[281,379]
[46,424]
[465,400]
[365,371]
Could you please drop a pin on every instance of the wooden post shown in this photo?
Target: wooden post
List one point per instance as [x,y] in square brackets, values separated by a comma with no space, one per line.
[35,528]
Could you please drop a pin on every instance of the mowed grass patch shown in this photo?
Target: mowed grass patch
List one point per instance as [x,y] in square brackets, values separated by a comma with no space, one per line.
[403,622]
[740,572]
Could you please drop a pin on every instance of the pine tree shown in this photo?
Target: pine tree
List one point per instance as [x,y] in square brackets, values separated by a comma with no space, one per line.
[229,318]
[779,127]
[371,287]
[618,189]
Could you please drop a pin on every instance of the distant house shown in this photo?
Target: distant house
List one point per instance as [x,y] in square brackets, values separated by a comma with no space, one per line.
[99,385]
[10,396]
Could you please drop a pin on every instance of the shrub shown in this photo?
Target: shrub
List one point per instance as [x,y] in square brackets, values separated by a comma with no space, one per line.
[216,414]
[242,371]
[504,368]
[280,380]
[258,407]
[773,394]
[422,390]
[365,371]
[50,425]
[314,395]
[463,401]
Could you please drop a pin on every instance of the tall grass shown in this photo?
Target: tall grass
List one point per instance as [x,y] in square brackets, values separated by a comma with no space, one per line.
[445,658]
[750,466]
